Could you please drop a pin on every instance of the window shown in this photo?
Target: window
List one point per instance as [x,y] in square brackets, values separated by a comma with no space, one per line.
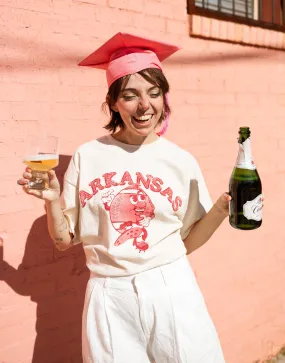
[232,7]
[267,14]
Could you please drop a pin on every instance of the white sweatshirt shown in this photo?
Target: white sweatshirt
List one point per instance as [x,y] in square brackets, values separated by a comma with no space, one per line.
[131,206]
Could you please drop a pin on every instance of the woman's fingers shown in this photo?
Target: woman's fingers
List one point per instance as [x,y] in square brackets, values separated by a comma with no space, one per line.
[26,176]
[36,193]
[51,174]
[227,197]
[22,181]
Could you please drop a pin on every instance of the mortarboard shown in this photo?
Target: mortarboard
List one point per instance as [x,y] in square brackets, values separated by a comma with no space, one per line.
[125,54]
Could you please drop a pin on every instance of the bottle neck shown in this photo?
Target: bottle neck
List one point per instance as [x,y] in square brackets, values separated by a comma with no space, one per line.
[243,136]
[244,159]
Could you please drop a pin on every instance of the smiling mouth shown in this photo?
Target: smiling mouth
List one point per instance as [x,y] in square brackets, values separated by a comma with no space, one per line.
[142,119]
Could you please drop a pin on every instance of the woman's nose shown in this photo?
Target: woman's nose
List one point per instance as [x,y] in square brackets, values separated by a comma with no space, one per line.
[144,103]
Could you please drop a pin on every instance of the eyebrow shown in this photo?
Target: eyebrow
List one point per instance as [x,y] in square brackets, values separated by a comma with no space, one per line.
[135,90]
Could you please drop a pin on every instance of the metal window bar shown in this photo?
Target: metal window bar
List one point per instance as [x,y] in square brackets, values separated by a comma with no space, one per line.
[283,12]
[219,5]
[260,10]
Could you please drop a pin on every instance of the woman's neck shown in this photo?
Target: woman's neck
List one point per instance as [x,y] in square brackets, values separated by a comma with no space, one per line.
[132,139]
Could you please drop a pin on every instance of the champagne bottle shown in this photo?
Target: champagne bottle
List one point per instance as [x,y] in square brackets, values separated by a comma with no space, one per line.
[245,188]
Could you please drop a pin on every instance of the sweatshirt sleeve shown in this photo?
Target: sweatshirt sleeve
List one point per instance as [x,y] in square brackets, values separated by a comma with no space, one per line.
[199,202]
[70,198]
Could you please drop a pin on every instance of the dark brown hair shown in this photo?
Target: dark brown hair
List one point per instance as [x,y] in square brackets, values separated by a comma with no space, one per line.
[153,76]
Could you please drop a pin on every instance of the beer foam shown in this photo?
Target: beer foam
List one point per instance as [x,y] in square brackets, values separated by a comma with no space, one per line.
[41,157]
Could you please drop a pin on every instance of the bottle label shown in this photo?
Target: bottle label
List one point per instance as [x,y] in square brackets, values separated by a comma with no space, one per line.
[244,159]
[252,209]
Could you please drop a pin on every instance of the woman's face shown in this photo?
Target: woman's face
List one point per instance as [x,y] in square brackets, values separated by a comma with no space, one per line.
[140,105]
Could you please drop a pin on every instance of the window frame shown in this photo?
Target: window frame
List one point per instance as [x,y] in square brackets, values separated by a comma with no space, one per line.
[192,9]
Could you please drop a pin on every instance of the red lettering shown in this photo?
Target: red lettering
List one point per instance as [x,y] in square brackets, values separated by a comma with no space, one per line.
[155,187]
[96,184]
[108,180]
[141,180]
[84,196]
[148,181]
[169,192]
[126,178]
[177,204]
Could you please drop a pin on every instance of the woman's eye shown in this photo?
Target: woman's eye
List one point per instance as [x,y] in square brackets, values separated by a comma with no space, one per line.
[155,95]
[128,98]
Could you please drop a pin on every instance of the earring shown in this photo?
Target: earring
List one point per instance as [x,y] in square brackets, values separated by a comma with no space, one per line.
[166,116]
[164,127]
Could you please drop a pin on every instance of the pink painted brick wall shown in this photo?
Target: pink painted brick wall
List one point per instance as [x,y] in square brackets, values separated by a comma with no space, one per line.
[215,88]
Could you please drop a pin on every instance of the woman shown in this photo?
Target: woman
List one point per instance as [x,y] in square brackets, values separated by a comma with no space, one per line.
[139,205]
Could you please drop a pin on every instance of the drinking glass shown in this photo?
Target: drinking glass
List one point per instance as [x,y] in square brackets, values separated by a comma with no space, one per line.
[41,155]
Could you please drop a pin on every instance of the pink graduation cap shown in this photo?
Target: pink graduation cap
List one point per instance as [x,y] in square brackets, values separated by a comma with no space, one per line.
[125,54]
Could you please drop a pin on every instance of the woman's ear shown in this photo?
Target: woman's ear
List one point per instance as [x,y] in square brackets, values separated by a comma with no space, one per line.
[113,107]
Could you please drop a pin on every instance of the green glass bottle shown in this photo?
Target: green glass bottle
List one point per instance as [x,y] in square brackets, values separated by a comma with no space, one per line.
[245,188]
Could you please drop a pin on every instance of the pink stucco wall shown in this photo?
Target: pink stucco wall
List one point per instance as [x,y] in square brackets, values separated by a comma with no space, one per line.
[215,88]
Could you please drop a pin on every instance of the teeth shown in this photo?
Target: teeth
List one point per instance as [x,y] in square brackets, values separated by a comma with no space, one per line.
[144,118]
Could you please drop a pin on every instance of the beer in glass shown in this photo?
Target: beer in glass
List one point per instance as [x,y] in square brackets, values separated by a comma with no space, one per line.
[41,156]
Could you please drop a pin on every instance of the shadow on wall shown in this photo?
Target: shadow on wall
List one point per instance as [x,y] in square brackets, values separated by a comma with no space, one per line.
[56,281]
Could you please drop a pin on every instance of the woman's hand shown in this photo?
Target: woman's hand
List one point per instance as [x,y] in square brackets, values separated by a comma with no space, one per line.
[222,204]
[50,194]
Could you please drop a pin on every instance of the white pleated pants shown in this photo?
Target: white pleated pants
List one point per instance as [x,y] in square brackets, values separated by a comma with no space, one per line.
[155,316]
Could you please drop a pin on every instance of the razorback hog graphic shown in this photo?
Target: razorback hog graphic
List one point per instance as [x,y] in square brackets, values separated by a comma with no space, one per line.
[131,211]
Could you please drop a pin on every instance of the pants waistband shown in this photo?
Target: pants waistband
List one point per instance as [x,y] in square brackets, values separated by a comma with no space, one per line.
[169,274]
